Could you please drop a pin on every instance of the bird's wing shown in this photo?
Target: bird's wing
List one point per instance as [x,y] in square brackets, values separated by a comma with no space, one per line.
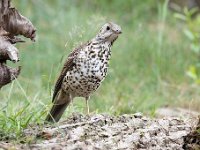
[68,65]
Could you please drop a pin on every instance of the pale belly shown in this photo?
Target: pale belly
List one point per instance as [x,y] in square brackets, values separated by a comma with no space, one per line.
[85,77]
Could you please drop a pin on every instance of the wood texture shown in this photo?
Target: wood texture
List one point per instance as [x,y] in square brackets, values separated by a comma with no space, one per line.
[12,24]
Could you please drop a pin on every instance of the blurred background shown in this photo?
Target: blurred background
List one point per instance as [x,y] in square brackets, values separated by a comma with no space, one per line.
[155,62]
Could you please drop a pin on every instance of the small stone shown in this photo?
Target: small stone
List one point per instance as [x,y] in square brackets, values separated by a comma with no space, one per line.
[138,115]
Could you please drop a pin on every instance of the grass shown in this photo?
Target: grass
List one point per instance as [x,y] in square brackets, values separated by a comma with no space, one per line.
[147,69]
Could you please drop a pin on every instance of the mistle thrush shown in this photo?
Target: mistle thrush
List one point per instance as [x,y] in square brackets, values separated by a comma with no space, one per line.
[84,70]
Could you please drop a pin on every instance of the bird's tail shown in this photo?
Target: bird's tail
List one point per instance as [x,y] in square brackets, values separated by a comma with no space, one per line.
[60,104]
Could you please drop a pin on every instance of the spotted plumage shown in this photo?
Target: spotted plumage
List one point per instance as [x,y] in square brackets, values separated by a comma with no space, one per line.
[84,70]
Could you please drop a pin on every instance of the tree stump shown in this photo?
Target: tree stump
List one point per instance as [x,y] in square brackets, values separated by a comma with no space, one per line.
[12,24]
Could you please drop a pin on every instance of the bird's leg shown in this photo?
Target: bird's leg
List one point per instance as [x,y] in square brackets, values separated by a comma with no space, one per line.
[72,102]
[87,105]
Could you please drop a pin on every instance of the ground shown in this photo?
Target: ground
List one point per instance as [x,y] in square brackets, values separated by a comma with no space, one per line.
[102,131]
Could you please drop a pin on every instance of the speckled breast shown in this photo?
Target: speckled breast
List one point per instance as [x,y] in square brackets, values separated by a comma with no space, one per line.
[89,70]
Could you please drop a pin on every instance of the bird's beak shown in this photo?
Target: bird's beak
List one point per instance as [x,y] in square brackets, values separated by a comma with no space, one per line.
[119,32]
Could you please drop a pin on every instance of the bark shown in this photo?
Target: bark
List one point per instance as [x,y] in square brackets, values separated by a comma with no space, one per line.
[12,24]
[8,74]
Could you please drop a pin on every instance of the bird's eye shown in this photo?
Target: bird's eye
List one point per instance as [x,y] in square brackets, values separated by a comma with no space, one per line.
[107,28]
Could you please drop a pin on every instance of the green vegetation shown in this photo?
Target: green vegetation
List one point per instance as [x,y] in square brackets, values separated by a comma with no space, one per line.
[147,69]
[192,32]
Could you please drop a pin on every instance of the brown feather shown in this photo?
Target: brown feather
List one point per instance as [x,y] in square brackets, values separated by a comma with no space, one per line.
[68,65]
[62,100]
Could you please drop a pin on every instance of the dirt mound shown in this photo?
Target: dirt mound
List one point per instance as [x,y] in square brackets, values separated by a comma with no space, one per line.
[104,132]
[111,132]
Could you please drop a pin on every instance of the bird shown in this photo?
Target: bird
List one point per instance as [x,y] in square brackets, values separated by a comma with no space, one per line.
[84,70]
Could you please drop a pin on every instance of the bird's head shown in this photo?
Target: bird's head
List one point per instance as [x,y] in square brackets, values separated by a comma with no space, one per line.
[109,32]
